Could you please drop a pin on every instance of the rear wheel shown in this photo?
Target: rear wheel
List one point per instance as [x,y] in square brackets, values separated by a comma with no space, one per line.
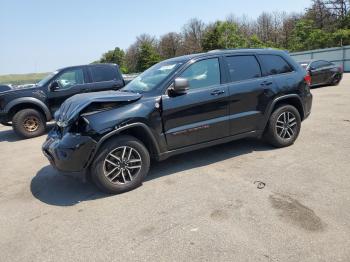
[284,126]
[336,80]
[121,165]
[28,123]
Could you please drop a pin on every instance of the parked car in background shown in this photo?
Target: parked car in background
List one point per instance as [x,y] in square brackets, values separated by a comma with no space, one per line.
[28,108]
[176,106]
[322,72]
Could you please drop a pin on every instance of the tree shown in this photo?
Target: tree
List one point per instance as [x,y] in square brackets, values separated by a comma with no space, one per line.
[325,23]
[264,25]
[192,34]
[306,36]
[116,56]
[342,37]
[169,45]
[211,37]
[320,15]
[223,35]
[288,26]
[255,42]
[131,58]
[147,57]
[136,55]
[339,8]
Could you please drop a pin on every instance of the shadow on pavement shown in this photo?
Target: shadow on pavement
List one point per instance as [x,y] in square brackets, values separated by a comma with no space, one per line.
[9,135]
[206,157]
[53,188]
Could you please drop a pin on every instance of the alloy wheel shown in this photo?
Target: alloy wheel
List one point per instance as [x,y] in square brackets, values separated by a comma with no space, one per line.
[286,125]
[122,165]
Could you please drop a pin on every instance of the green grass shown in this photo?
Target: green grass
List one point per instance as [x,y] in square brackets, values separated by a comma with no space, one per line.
[18,79]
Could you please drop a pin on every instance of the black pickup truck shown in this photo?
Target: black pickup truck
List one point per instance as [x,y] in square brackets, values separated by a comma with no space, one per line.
[28,109]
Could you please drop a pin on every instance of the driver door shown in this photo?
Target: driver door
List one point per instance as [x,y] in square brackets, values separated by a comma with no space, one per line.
[70,82]
[200,115]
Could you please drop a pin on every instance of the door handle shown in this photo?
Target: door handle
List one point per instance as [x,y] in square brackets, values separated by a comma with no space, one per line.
[266,83]
[217,92]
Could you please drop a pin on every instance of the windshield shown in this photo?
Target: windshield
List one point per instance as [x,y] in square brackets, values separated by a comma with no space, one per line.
[47,78]
[152,77]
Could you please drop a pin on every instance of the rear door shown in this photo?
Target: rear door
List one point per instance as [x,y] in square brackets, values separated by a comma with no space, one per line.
[248,93]
[326,69]
[105,77]
[318,73]
[201,114]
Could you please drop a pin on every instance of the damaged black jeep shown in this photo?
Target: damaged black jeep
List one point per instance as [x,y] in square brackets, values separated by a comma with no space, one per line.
[179,105]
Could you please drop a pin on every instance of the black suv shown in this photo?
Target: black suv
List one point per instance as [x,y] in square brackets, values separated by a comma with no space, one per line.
[30,108]
[179,105]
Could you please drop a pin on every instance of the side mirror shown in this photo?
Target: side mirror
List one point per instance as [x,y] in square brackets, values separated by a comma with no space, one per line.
[54,86]
[180,86]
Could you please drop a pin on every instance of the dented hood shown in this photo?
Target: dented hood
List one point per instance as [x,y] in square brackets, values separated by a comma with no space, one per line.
[71,108]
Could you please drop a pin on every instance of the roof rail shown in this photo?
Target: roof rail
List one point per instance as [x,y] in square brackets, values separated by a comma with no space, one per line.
[233,49]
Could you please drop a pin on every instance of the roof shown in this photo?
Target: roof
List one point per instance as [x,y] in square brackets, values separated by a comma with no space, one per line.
[77,66]
[225,51]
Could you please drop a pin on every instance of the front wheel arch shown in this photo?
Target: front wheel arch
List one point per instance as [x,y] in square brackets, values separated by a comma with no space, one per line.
[138,130]
[18,107]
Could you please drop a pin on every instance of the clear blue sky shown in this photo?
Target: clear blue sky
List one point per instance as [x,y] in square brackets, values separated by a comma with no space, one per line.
[43,35]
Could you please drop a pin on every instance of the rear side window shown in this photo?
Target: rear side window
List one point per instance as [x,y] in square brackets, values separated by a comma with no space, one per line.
[274,64]
[103,73]
[243,67]
[320,64]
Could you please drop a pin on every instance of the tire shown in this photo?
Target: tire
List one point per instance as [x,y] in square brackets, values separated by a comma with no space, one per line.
[28,123]
[336,80]
[284,134]
[126,176]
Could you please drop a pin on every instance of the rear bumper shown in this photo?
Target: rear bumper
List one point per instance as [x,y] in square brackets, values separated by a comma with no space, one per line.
[307,105]
[69,153]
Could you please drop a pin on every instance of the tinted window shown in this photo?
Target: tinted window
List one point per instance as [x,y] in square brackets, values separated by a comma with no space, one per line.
[70,78]
[274,64]
[103,73]
[203,73]
[243,67]
[319,64]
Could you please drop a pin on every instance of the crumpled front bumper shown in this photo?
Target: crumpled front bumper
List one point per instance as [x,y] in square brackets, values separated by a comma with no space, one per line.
[68,152]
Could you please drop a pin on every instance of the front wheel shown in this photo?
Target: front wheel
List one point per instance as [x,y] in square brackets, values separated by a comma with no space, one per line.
[284,126]
[121,165]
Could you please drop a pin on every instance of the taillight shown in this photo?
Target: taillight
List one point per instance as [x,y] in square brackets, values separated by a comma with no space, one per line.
[307,78]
